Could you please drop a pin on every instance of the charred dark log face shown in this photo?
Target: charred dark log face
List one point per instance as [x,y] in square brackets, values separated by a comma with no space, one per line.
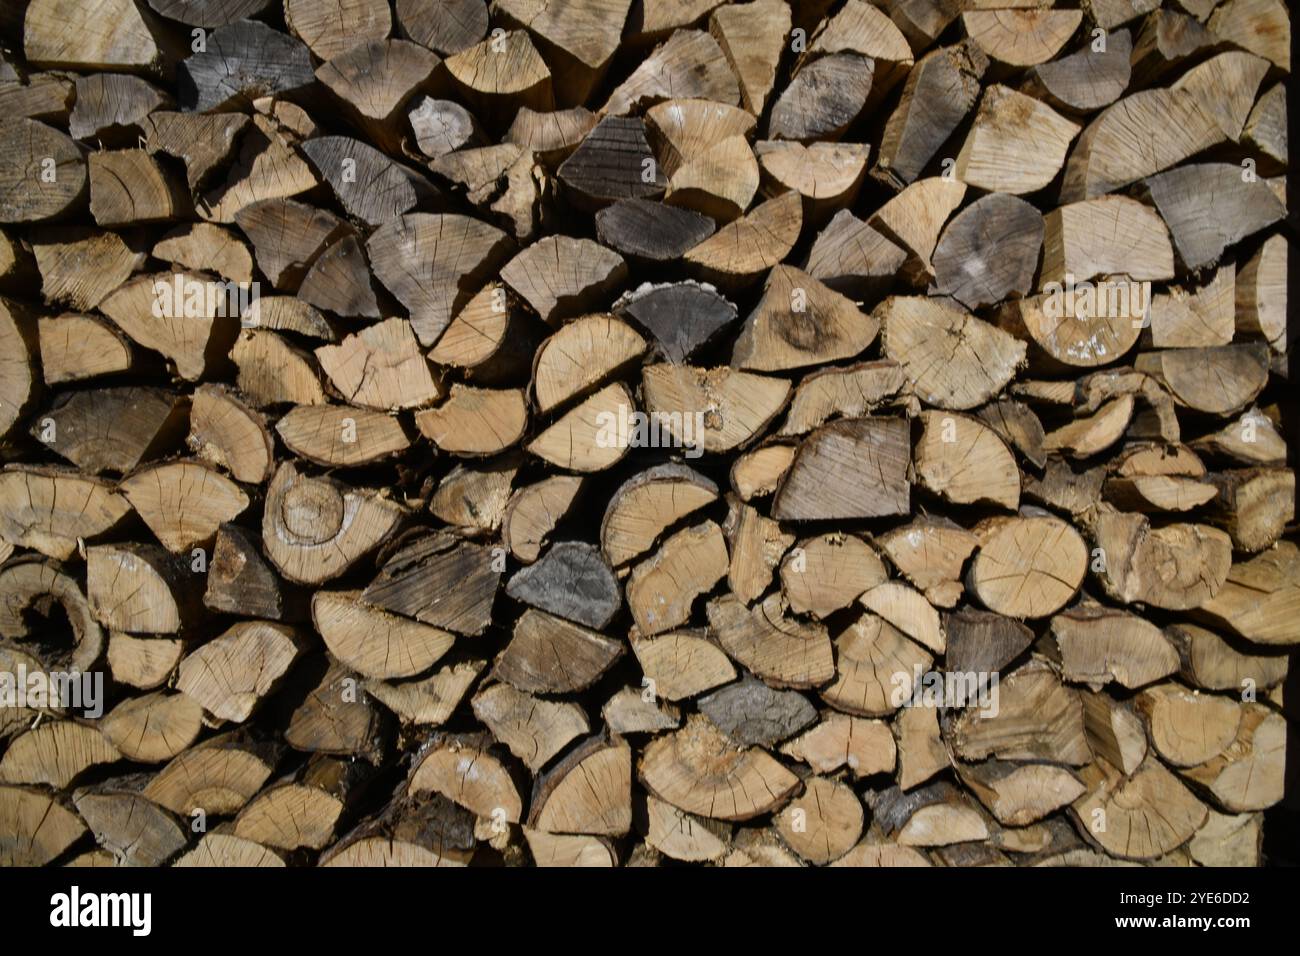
[625,432]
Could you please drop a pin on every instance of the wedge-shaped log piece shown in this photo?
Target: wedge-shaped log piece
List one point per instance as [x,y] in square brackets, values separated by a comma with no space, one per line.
[651,231]
[865,747]
[1250,773]
[140,589]
[1090,78]
[711,410]
[533,512]
[1099,645]
[240,62]
[782,651]
[826,574]
[689,66]
[685,129]
[218,776]
[373,80]
[1188,728]
[438,580]
[501,74]
[914,218]
[36,828]
[467,772]
[580,39]
[204,245]
[591,436]
[194,329]
[183,502]
[1260,26]
[1017,144]
[368,184]
[112,429]
[50,509]
[269,167]
[79,267]
[610,164]
[1021,37]
[988,251]
[800,322]
[1021,795]
[535,730]
[740,251]
[154,728]
[1147,814]
[1177,566]
[113,36]
[853,257]
[1028,566]
[589,791]
[699,770]
[583,353]
[227,433]
[662,588]
[72,348]
[980,641]
[202,141]
[719,183]
[315,528]
[1260,597]
[1210,206]
[134,830]
[646,505]
[753,714]
[380,367]
[1086,436]
[1240,374]
[571,580]
[823,100]
[940,91]
[824,822]
[1037,719]
[935,815]
[452,256]
[682,664]
[683,316]
[825,480]
[431,700]
[230,674]
[55,753]
[476,421]
[549,655]
[953,359]
[561,277]
[330,29]
[241,582]
[684,836]
[752,35]
[341,435]
[372,642]
[966,462]
[851,392]
[1104,159]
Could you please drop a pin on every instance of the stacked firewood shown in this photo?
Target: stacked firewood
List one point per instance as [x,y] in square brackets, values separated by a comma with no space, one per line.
[623,432]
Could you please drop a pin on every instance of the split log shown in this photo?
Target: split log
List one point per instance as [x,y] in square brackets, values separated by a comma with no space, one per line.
[928,111]
[572,581]
[988,251]
[313,528]
[1178,566]
[978,359]
[1017,144]
[697,769]
[690,65]
[1091,78]
[1210,206]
